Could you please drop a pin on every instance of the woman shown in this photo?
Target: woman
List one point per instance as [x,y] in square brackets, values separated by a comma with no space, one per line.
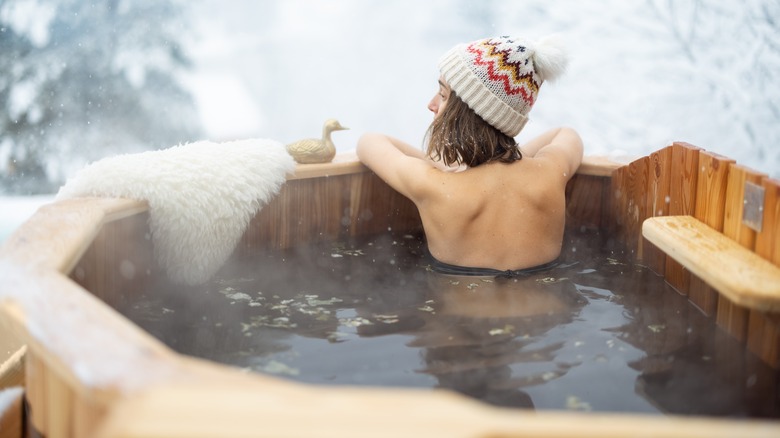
[488,206]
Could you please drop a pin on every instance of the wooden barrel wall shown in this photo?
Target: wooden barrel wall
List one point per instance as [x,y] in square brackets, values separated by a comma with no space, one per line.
[313,209]
[682,179]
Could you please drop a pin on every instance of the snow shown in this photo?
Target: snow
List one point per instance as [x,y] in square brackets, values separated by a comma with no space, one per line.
[30,18]
[642,74]
[17,209]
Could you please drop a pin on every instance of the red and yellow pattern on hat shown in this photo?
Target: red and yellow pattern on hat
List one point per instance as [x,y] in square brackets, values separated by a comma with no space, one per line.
[505,67]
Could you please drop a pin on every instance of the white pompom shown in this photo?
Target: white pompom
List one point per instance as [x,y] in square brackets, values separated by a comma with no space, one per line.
[550,57]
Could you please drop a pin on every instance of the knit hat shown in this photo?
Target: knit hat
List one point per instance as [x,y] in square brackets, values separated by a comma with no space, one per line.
[500,77]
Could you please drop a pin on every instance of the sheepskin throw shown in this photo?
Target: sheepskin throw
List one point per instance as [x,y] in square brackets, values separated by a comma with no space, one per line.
[201,197]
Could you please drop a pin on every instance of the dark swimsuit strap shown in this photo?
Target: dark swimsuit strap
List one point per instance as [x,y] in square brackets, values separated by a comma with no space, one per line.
[446,268]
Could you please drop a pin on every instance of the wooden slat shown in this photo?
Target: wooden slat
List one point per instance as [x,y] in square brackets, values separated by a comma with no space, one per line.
[368,217]
[682,201]
[113,270]
[183,411]
[763,337]
[314,209]
[639,193]
[658,201]
[710,205]
[618,199]
[12,370]
[732,317]
[40,242]
[346,163]
[629,190]
[12,412]
[595,165]
[768,240]
[35,387]
[712,184]
[736,272]
[732,222]
[586,199]
[59,406]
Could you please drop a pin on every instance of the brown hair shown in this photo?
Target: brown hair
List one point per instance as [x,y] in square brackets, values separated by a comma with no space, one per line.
[459,136]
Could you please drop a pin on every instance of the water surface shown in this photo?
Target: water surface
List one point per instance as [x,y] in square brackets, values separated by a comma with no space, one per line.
[595,333]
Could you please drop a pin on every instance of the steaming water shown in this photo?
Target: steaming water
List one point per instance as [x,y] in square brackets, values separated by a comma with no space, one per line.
[594,333]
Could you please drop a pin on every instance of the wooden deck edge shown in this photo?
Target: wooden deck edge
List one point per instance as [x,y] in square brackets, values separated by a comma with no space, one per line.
[12,413]
[12,370]
[739,274]
[58,233]
[348,162]
[249,409]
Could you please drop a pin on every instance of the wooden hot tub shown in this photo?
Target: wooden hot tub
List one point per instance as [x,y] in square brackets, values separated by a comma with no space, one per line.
[85,370]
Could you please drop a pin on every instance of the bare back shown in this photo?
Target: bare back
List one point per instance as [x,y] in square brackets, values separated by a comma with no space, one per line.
[497,215]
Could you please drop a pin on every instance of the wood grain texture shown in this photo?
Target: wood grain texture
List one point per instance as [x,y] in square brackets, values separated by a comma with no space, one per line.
[155,392]
[658,200]
[737,273]
[12,412]
[586,202]
[763,337]
[732,317]
[710,205]
[682,201]
[12,370]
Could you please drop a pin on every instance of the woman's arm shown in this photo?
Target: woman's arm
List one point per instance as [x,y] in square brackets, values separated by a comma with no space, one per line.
[563,146]
[414,152]
[396,163]
[406,148]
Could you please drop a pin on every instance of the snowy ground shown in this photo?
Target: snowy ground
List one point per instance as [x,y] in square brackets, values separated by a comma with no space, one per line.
[16,210]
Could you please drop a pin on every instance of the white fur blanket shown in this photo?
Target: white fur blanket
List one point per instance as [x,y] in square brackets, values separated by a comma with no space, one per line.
[201,197]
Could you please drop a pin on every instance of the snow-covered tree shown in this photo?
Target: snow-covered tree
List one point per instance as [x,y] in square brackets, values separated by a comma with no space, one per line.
[734,50]
[82,80]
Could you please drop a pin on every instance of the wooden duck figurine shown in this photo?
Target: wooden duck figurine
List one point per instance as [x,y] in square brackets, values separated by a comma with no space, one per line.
[313,150]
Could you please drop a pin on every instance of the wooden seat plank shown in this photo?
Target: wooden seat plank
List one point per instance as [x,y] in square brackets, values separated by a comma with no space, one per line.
[734,271]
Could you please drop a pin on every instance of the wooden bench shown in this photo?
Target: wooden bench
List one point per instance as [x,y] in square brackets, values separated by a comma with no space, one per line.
[736,272]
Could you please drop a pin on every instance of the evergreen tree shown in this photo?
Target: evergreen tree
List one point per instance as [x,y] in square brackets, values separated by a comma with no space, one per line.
[83,80]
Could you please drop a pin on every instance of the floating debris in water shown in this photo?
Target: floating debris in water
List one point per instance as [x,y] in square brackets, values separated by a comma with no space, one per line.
[276,367]
[506,330]
[574,403]
[340,251]
[335,337]
[236,295]
[356,321]
[427,308]
[387,319]
[472,286]
[314,300]
[266,321]
[656,328]
[552,280]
